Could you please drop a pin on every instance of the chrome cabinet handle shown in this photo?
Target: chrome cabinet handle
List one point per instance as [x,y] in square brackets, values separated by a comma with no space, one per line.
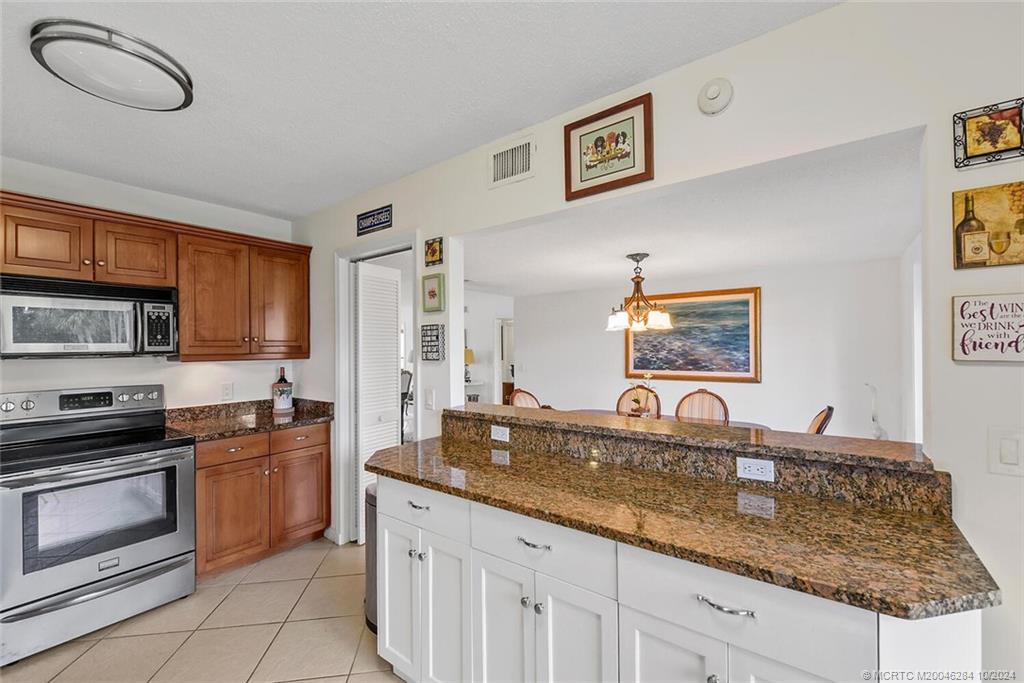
[535,546]
[86,262]
[414,506]
[235,449]
[412,553]
[727,610]
[301,438]
[539,608]
[101,263]
[525,602]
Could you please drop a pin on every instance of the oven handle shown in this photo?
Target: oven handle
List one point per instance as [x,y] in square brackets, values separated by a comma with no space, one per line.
[44,479]
[65,602]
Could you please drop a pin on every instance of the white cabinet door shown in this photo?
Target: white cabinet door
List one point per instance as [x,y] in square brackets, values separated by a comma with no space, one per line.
[748,667]
[398,595]
[447,618]
[656,651]
[503,621]
[577,634]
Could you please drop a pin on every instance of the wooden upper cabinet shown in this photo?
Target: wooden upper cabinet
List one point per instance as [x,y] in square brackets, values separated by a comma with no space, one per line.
[299,493]
[213,298]
[46,243]
[136,255]
[232,512]
[279,299]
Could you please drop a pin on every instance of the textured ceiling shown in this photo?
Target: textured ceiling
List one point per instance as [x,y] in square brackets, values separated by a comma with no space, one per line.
[299,105]
[854,202]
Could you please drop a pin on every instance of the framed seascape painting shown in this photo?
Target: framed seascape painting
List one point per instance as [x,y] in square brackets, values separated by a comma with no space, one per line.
[715,337]
[988,134]
[610,149]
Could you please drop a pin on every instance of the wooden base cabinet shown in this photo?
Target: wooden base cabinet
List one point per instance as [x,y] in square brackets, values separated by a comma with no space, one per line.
[423,603]
[248,507]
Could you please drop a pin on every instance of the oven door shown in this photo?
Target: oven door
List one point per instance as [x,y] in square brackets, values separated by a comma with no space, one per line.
[66,527]
[38,325]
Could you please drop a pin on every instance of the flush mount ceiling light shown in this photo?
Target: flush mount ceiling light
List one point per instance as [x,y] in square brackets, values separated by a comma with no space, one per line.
[111,65]
[638,313]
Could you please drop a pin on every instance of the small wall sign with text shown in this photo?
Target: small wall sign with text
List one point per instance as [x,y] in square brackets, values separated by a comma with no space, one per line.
[988,327]
[432,342]
[374,220]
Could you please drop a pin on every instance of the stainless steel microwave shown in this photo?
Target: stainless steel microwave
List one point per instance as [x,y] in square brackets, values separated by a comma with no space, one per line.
[61,318]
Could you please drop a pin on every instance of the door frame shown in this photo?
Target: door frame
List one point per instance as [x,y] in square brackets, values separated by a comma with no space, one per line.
[343,448]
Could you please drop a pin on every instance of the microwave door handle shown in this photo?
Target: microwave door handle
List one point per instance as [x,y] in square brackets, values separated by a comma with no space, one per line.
[140,314]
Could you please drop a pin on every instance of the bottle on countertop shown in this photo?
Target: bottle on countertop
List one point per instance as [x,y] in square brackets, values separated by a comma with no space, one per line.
[281,391]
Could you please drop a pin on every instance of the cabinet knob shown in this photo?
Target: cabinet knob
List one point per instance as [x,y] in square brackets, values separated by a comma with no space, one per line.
[412,553]
[525,602]
[421,556]
[87,262]
[256,339]
[101,263]
[276,468]
[266,473]
[539,608]
[245,339]
[713,678]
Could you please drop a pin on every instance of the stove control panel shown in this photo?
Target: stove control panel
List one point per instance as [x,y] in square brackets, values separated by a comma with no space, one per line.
[60,403]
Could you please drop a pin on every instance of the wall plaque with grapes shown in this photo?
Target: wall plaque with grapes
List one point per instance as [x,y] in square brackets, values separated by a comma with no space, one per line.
[988,134]
[988,226]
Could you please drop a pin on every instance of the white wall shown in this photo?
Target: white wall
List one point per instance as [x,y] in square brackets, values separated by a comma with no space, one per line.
[825,331]
[186,383]
[482,310]
[912,343]
[849,73]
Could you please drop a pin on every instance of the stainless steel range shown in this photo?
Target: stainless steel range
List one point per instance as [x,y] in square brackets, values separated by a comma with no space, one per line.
[97,512]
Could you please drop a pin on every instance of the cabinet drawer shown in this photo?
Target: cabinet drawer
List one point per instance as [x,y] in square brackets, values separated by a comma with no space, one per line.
[210,453]
[299,437]
[426,509]
[581,559]
[819,636]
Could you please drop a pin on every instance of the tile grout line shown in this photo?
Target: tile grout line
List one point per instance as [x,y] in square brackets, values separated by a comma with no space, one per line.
[279,629]
[65,668]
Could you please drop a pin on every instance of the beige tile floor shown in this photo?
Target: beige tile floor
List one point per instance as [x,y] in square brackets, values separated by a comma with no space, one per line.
[297,616]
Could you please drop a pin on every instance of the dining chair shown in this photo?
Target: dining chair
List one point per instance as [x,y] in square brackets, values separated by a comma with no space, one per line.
[703,405]
[524,399]
[649,402]
[820,421]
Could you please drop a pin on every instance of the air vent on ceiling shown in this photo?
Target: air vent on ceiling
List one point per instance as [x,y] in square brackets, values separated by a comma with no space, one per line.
[511,163]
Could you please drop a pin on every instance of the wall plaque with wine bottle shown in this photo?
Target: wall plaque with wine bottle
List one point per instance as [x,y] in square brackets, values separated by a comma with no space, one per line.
[988,226]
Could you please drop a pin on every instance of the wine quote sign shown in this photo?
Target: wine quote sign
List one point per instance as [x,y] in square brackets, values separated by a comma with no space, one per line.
[988,327]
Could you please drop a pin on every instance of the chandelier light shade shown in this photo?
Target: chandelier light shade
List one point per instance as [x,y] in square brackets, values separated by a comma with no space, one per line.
[638,313]
[111,65]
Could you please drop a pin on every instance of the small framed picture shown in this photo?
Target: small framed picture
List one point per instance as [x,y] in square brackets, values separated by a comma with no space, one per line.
[432,342]
[433,293]
[988,134]
[433,252]
[610,149]
[988,226]
[988,328]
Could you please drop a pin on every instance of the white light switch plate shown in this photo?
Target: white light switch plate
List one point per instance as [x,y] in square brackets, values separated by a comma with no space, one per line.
[227,391]
[1006,451]
[499,433]
[429,399]
[752,468]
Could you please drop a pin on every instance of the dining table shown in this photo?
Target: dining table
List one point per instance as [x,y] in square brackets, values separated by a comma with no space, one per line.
[691,420]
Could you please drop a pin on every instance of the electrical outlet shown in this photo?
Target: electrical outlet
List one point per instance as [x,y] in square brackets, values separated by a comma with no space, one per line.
[499,433]
[753,504]
[499,457]
[227,391]
[752,468]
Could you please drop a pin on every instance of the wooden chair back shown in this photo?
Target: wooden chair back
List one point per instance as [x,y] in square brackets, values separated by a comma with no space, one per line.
[523,399]
[639,400]
[820,421]
[703,405]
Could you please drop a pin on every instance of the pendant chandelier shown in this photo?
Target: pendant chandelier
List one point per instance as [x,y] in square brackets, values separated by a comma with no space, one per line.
[638,313]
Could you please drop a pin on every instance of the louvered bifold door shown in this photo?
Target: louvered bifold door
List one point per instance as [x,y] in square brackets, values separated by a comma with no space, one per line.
[377,374]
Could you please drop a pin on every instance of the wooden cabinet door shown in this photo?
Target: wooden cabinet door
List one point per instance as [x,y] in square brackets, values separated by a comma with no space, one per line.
[232,512]
[279,296]
[213,298]
[46,243]
[398,595]
[135,255]
[656,651]
[300,493]
[504,624]
[577,634]
[447,617]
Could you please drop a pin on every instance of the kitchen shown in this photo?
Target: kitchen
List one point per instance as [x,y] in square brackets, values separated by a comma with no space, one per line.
[260,262]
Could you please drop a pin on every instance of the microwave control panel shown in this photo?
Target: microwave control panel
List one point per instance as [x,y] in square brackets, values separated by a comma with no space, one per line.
[158,324]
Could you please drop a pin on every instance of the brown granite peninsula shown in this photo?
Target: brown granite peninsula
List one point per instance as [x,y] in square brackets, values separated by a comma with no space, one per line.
[877,552]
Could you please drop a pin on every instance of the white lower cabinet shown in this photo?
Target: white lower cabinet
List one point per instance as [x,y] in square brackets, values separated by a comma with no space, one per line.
[656,651]
[531,627]
[423,603]
[749,667]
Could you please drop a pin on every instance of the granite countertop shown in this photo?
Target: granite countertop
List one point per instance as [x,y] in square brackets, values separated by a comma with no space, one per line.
[225,420]
[907,565]
[895,455]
